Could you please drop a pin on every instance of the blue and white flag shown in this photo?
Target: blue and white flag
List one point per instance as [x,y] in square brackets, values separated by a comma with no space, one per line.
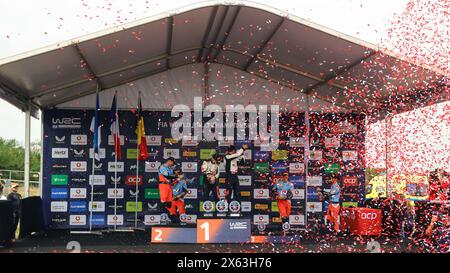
[96,129]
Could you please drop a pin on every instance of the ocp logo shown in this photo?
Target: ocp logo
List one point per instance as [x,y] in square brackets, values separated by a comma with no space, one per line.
[151,194]
[60,179]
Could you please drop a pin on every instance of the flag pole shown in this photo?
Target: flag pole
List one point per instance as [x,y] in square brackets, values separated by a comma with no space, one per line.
[116,129]
[91,206]
[137,163]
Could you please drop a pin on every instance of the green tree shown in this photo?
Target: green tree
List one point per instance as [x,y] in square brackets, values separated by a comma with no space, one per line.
[12,156]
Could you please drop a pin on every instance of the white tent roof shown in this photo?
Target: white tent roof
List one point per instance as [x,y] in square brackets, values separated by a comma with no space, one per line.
[258,54]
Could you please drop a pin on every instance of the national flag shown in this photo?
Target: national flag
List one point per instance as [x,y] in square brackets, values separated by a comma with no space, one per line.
[140,132]
[115,128]
[96,129]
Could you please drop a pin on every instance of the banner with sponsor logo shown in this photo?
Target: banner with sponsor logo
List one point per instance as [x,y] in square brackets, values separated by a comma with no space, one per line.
[67,172]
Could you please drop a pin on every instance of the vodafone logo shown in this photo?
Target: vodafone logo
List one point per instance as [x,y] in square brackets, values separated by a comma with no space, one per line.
[78,140]
[152,220]
[152,167]
[78,166]
[153,140]
[261,193]
[189,167]
[260,219]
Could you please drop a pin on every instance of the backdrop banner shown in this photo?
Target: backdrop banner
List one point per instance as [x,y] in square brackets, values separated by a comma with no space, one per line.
[336,146]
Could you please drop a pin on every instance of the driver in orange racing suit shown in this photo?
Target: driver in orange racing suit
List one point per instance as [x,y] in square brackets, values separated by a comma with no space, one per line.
[166,175]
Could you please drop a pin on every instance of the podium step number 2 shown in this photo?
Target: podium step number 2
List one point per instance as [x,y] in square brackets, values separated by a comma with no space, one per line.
[207,231]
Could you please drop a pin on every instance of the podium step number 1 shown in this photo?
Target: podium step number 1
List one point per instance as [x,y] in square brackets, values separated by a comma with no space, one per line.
[207,231]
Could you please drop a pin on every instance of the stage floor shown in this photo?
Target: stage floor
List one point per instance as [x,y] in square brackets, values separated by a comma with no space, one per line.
[138,242]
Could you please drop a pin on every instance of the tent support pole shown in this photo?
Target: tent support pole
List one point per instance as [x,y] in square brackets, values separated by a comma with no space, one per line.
[27,152]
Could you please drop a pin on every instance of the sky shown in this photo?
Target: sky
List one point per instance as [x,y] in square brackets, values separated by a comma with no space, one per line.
[26,25]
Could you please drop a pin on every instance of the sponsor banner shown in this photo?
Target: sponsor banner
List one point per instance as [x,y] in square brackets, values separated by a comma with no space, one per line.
[349,181]
[77,220]
[279,167]
[78,206]
[60,153]
[116,167]
[315,181]
[189,142]
[78,140]
[170,141]
[175,153]
[260,219]
[246,206]
[297,220]
[349,155]
[58,206]
[152,167]
[60,140]
[191,194]
[259,206]
[188,218]
[59,179]
[133,207]
[298,194]
[111,140]
[261,167]
[332,168]
[151,194]
[297,180]
[78,193]
[248,154]
[114,220]
[153,140]
[315,155]
[261,194]
[332,142]
[189,153]
[78,166]
[97,206]
[297,141]
[115,193]
[66,123]
[79,153]
[131,180]
[280,155]
[314,207]
[59,193]
[189,167]
[131,153]
[101,153]
[344,127]
[97,180]
[98,220]
[261,156]
[297,167]
[151,220]
[206,154]
[245,180]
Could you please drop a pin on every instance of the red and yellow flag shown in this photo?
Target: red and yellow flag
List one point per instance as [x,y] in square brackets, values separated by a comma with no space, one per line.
[140,132]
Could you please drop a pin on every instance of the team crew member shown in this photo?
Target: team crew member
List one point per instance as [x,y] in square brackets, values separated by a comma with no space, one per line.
[334,206]
[211,173]
[179,190]
[166,175]
[16,200]
[283,193]
[231,169]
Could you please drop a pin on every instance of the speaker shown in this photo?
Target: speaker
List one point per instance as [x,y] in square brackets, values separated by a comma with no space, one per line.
[32,217]
[6,221]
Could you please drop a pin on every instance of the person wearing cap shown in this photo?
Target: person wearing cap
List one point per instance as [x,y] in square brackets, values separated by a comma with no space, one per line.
[283,194]
[16,199]
[334,205]
[232,158]
[179,190]
[166,175]
[211,173]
